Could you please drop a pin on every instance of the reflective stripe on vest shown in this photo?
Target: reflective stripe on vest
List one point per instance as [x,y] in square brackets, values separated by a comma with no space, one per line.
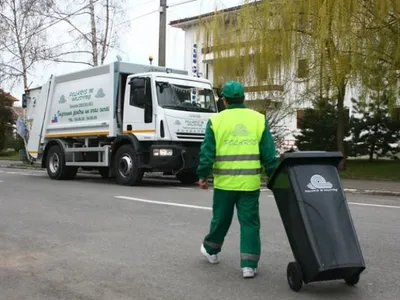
[238,133]
[252,257]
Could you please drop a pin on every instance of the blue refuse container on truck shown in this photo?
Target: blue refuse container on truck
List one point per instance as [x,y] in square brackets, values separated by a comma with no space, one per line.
[317,220]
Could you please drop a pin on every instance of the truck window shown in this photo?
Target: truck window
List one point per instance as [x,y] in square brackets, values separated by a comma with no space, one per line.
[140,96]
[140,93]
[174,96]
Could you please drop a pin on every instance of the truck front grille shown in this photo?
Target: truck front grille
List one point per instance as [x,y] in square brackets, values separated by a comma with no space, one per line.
[187,135]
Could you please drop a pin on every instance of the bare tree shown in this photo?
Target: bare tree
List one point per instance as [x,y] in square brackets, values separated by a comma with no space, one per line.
[22,37]
[279,107]
[93,28]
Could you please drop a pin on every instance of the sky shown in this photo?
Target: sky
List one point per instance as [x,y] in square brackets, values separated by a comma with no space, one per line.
[138,37]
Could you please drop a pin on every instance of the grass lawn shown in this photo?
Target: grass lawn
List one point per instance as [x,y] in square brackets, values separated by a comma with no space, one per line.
[381,170]
[376,170]
[9,156]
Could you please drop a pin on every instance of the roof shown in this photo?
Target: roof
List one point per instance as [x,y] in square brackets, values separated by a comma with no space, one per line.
[8,96]
[17,111]
[182,23]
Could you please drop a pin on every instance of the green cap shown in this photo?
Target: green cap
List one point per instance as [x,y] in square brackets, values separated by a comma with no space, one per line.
[233,89]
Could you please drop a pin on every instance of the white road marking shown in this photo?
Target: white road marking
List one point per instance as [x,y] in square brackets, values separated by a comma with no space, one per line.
[373,205]
[209,208]
[261,190]
[164,203]
[29,174]
[195,206]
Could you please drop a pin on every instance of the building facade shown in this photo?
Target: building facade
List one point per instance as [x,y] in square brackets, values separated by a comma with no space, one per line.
[199,58]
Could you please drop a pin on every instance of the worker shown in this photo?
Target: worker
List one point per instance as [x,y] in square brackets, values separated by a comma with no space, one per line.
[237,146]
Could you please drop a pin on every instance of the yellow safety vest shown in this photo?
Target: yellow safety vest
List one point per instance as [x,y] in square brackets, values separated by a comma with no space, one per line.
[238,133]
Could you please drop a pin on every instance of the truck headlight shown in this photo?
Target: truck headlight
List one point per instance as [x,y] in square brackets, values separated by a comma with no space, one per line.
[162,152]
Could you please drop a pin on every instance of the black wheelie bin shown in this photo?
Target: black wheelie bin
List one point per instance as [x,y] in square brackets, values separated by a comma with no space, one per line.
[316,218]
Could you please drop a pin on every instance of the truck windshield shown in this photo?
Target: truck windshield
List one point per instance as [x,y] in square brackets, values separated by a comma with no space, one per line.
[179,97]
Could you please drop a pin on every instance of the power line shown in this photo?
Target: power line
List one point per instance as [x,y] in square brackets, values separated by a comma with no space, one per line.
[133,6]
[48,26]
[138,17]
[180,3]
[162,33]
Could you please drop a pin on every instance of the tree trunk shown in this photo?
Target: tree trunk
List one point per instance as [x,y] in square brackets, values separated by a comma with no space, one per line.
[340,125]
[2,136]
[371,152]
[105,39]
[94,34]
[21,50]
[373,144]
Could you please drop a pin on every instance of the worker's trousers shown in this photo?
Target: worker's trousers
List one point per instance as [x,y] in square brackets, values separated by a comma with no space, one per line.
[247,206]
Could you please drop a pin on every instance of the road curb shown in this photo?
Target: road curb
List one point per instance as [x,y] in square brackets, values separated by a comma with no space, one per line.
[346,190]
[373,192]
[21,167]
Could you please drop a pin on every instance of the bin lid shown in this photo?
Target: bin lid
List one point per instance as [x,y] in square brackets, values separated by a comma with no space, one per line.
[313,157]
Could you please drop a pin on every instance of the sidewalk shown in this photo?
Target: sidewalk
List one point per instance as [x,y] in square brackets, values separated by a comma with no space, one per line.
[15,164]
[382,188]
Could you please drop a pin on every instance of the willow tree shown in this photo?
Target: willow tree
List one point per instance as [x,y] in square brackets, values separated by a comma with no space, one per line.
[334,41]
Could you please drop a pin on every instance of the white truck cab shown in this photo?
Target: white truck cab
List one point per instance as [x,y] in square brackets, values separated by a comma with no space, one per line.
[122,119]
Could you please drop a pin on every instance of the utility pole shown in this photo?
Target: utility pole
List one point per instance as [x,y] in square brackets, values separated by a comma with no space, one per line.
[162,37]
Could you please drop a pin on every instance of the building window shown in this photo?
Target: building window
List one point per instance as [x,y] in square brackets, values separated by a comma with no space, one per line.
[302,69]
[232,68]
[299,117]
[264,70]
[397,114]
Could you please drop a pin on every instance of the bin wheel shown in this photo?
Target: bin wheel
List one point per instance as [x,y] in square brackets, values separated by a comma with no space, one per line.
[294,276]
[352,281]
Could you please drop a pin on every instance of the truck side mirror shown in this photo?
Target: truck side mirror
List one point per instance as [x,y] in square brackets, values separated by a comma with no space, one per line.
[137,83]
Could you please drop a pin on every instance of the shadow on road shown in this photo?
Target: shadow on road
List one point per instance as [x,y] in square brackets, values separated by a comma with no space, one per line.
[149,181]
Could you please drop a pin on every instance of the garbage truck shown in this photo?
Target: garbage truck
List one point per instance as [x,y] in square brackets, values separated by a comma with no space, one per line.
[122,119]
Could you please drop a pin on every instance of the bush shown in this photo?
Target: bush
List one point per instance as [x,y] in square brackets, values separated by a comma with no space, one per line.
[318,128]
[16,143]
[373,131]
[5,153]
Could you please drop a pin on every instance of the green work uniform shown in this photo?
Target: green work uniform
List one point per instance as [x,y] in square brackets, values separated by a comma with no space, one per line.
[237,145]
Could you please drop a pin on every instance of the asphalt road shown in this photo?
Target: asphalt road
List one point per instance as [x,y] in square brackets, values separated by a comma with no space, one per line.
[91,239]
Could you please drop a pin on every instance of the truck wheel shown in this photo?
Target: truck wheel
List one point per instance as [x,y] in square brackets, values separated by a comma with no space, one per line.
[56,168]
[187,177]
[126,166]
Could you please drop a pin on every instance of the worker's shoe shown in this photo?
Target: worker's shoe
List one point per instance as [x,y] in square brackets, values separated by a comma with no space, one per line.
[249,272]
[212,258]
